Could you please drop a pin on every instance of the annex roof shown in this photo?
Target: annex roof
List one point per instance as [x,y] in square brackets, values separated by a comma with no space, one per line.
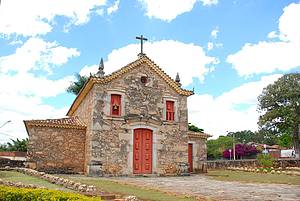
[69,122]
[102,80]
[193,134]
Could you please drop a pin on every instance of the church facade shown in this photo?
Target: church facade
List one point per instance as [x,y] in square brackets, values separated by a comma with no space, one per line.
[131,122]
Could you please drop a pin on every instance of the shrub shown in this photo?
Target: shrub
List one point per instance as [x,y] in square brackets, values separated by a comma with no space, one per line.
[8,193]
[265,160]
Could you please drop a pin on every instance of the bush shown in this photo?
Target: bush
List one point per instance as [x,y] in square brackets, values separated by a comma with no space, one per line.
[265,160]
[8,193]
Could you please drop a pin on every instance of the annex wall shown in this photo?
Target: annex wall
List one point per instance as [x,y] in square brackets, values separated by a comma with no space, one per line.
[53,149]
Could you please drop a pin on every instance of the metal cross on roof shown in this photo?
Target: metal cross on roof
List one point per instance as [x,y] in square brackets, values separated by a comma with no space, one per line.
[142,39]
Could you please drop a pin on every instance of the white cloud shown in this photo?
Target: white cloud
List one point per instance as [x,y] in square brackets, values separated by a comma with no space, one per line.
[22,90]
[167,10]
[36,54]
[209,2]
[36,17]
[265,57]
[272,34]
[233,110]
[269,56]
[86,70]
[289,23]
[214,33]
[113,8]
[210,46]
[172,56]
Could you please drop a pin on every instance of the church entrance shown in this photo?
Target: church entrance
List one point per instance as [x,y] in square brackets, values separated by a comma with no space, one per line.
[142,151]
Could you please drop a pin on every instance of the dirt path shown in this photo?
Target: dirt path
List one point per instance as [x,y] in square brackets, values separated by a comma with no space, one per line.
[200,185]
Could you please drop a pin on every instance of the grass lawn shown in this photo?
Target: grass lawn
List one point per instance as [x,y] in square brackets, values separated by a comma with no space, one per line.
[14,176]
[127,189]
[251,177]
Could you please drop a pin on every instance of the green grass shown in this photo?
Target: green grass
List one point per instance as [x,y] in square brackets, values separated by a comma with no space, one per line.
[128,189]
[14,176]
[251,177]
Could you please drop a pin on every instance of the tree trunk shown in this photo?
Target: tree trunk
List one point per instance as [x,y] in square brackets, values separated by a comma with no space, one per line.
[296,140]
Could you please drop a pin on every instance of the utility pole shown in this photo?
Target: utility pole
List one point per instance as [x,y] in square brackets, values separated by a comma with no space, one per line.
[233,146]
[5,123]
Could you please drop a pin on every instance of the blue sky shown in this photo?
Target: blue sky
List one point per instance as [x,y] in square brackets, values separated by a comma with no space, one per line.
[227,50]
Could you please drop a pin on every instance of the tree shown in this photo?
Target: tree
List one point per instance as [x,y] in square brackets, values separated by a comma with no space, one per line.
[215,147]
[77,85]
[262,136]
[242,151]
[195,128]
[3,147]
[279,104]
[285,140]
[243,136]
[15,145]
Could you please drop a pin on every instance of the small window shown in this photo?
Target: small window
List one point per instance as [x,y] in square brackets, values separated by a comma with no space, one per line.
[170,111]
[144,79]
[115,105]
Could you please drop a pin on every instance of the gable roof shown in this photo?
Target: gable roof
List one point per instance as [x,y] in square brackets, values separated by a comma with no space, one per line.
[103,80]
[69,122]
[192,134]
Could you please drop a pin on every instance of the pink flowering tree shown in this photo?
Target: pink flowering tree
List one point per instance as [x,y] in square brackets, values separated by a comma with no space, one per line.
[241,151]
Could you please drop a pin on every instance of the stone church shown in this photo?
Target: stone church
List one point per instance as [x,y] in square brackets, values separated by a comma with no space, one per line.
[131,122]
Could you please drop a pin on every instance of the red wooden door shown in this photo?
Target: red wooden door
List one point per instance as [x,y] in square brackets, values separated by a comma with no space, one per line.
[142,151]
[190,157]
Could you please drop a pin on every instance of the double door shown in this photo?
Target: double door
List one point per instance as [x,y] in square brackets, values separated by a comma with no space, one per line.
[142,151]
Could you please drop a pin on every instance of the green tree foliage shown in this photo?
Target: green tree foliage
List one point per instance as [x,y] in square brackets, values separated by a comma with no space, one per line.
[216,147]
[3,147]
[77,85]
[195,128]
[285,140]
[279,104]
[15,145]
[262,137]
[243,136]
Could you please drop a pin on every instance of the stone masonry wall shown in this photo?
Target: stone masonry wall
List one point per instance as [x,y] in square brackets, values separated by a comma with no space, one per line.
[142,107]
[56,149]
[223,164]
[84,112]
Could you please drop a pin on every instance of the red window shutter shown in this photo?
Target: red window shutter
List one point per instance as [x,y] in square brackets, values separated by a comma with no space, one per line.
[170,111]
[115,105]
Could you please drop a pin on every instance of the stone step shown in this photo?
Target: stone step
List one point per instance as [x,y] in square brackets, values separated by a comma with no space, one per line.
[108,197]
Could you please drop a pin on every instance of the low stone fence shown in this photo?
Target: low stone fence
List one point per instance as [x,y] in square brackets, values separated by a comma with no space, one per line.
[87,189]
[224,164]
[67,183]
[18,184]
[4,162]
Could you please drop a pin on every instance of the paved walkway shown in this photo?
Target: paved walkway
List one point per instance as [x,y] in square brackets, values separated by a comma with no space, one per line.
[203,186]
